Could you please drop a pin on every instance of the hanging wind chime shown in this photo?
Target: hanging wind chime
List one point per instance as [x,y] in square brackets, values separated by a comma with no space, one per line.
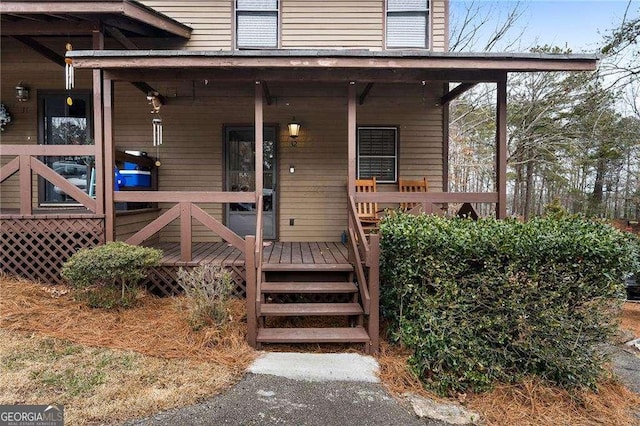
[156,122]
[69,75]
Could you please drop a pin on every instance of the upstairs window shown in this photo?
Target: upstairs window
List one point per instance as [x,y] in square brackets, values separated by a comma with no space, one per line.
[378,153]
[256,24]
[408,24]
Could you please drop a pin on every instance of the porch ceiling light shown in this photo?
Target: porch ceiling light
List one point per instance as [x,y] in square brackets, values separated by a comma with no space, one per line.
[22,92]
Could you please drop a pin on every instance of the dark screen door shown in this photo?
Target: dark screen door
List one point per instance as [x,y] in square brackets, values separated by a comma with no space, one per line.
[240,176]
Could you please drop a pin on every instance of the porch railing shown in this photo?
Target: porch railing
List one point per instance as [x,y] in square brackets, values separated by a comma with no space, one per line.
[427,199]
[25,164]
[253,267]
[186,209]
[364,253]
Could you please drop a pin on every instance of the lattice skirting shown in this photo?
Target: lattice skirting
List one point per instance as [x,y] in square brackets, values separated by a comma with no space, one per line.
[162,280]
[36,247]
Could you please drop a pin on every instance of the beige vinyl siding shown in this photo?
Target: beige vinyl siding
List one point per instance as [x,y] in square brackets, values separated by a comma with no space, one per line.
[311,24]
[127,224]
[211,20]
[315,195]
[439,25]
[21,64]
[410,107]
[332,24]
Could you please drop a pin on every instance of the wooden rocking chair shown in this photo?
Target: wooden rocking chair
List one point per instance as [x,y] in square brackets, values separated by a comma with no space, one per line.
[367,212]
[406,185]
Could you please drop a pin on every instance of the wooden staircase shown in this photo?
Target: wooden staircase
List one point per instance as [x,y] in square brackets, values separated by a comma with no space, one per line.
[309,290]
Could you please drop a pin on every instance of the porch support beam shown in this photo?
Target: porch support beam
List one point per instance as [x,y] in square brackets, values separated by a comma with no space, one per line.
[109,156]
[32,28]
[121,38]
[41,49]
[259,137]
[98,44]
[445,142]
[128,44]
[338,75]
[364,93]
[351,139]
[456,92]
[185,232]
[287,59]
[501,147]
[267,93]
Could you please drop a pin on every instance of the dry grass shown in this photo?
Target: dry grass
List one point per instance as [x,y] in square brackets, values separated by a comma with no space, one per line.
[106,366]
[630,318]
[98,385]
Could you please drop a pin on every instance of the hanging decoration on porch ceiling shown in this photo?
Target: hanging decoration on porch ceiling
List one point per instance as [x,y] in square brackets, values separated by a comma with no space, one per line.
[69,75]
[156,121]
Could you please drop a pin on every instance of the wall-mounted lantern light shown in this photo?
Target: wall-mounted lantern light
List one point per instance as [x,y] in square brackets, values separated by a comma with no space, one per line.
[22,92]
[294,131]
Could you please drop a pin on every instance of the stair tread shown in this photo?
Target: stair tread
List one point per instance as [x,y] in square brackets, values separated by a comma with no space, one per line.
[313,335]
[300,309]
[307,267]
[308,287]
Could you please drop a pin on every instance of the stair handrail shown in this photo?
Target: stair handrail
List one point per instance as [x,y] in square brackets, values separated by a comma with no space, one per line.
[253,274]
[359,270]
[361,242]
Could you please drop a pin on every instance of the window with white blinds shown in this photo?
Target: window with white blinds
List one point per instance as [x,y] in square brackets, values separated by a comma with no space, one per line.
[408,24]
[378,153]
[256,24]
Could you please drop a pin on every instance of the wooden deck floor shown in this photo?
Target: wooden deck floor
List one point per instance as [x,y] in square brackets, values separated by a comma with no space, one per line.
[273,253]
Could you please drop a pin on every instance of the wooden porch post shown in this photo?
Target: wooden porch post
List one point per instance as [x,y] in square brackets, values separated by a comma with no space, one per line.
[445,141]
[351,139]
[186,235]
[98,44]
[250,279]
[109,155]
[259,124]
[26,185]
[501,147]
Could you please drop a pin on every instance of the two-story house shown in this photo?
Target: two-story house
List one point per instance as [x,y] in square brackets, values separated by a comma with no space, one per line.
[235,132]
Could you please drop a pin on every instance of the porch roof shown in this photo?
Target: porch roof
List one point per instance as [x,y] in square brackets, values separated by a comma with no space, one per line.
[81,17]
[325,65]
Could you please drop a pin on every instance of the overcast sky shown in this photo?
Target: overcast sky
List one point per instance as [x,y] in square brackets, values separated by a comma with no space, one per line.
[576,24]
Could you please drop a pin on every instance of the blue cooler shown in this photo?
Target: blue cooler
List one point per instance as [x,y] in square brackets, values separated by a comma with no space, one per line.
[136,178]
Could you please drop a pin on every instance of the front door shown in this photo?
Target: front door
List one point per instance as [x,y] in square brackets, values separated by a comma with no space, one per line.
[240,149]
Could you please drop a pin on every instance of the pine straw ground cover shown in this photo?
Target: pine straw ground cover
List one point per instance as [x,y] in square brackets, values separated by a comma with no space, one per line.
[106,366]
[530,402]
[631,318]
[110,366]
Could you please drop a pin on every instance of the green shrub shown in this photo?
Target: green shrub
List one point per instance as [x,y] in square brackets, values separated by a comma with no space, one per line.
[487,301]
[107,276]
[208,288]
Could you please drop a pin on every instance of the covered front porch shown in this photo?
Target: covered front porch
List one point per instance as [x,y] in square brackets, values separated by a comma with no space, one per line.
[334,94]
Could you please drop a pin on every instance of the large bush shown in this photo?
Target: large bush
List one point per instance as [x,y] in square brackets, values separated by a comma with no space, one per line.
[107,275]
[488,301]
